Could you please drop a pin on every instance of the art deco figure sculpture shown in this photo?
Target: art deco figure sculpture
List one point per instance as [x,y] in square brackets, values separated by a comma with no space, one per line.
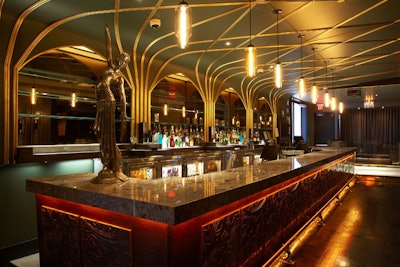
[110,81]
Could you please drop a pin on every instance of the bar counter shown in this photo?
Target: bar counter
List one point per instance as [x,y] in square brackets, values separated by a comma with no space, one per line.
[240,216]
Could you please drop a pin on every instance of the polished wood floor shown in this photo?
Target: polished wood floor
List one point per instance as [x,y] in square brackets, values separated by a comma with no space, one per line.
[363,231]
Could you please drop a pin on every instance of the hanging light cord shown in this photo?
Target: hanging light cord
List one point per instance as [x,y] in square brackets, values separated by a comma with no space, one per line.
[250,21]
[326,76]
[301,55]
[314,64]
[277,38]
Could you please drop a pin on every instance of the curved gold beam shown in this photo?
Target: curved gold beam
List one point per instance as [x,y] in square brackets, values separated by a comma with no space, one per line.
[7,153]
[1,6]
[214,42]
[118,38]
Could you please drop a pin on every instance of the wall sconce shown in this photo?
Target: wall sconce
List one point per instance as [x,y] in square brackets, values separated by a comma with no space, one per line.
[369,100]
[33,95]
[184,102]
[183,24]
[165,110]
[73,100]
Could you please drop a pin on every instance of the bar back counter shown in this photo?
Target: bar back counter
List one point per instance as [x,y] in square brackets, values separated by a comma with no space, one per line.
[236,217]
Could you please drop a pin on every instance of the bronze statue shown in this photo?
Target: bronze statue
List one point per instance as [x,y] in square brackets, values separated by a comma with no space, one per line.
[104,125]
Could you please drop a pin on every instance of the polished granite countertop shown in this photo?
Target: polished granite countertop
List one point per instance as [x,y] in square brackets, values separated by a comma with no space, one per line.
[175,200]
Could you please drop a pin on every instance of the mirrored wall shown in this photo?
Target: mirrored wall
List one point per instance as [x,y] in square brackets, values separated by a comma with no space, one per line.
[56,98]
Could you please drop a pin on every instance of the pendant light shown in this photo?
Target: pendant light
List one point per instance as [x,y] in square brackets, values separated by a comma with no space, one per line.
[333,103]
[250,54]
[314,89]
[278,66]
[183,24]
[301,82]
[333,100]
[341,107]
[326,97]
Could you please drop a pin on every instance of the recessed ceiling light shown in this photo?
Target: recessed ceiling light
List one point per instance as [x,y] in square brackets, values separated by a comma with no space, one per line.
[227,43]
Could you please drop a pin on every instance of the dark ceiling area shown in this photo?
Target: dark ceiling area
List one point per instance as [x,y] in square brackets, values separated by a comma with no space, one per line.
[356,43]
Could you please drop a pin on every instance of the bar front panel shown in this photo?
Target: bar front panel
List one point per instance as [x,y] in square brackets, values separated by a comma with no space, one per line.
[252,234]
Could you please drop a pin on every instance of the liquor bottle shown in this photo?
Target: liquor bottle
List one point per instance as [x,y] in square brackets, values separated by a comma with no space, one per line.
[160,137]
[164,141]
[187,140]
[191,140]
[171,141]
[178,141]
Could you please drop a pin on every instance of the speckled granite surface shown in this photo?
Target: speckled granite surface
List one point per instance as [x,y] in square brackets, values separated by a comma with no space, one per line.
[175,200]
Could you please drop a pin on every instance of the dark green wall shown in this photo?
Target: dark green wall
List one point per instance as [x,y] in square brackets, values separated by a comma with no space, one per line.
[17,206]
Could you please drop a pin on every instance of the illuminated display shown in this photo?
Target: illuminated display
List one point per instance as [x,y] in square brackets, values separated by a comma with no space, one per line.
[257,159]
[195,168]
[214,166]
[143,173]
[172,171]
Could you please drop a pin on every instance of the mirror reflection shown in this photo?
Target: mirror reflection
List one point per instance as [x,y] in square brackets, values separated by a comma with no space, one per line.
[57,91]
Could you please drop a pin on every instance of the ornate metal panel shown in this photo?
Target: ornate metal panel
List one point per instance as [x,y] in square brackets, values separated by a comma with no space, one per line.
[252,234]
[221,241]
[67,239]
[104,244]
[59,242]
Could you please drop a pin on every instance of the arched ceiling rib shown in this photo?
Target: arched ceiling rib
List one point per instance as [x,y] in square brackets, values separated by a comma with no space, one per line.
[359,39]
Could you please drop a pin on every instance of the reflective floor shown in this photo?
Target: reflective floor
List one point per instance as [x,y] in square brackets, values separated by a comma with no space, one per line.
[363,231]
